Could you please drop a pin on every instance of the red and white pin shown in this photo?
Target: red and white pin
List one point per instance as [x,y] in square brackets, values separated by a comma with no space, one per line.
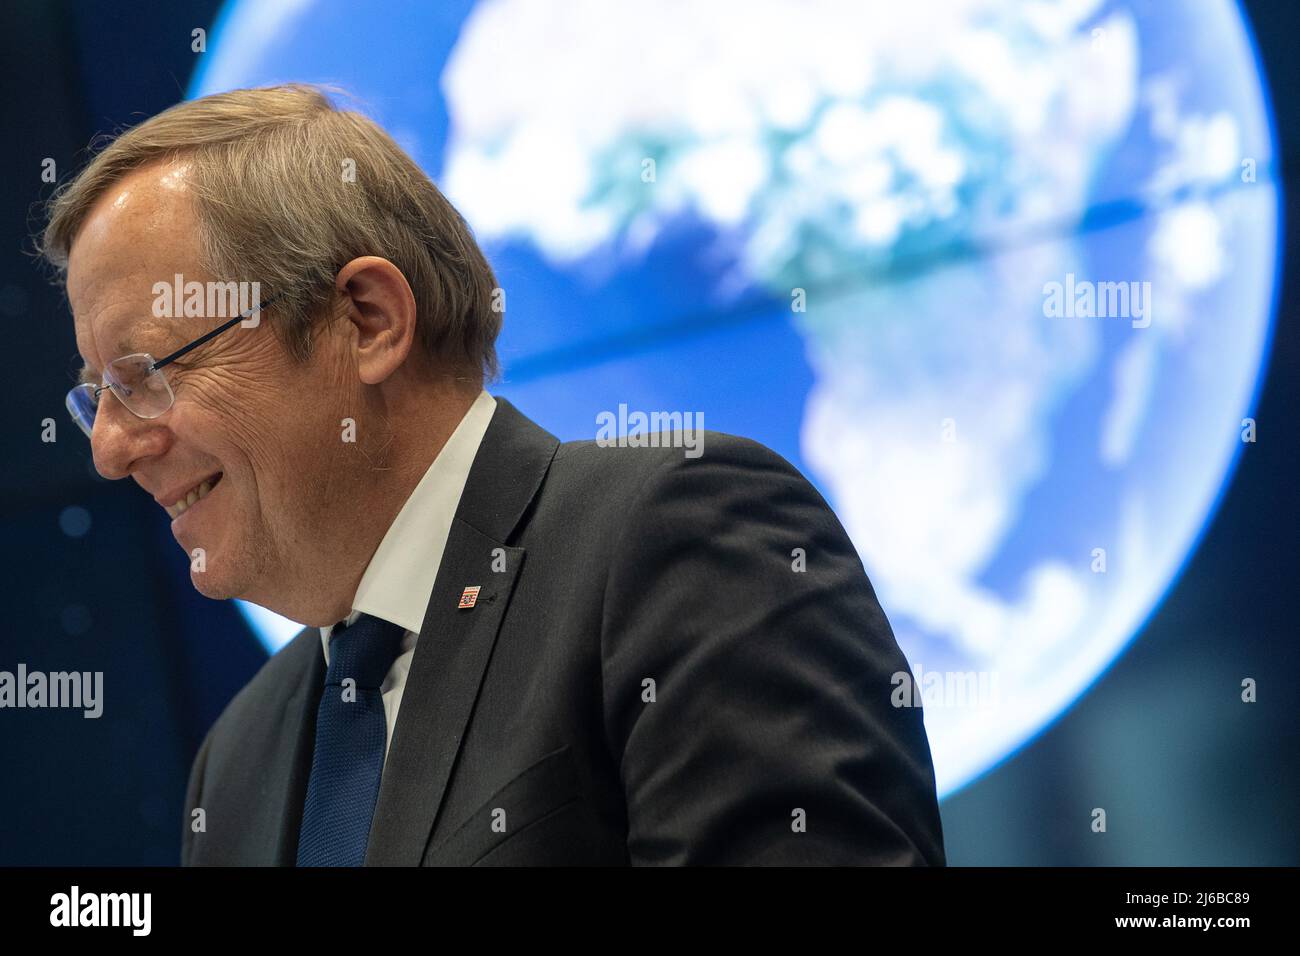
[469,597]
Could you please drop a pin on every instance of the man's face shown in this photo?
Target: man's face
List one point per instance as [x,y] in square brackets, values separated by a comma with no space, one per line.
[258,427]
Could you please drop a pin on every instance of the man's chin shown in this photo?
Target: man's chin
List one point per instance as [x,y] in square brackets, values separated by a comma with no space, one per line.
[211,586]
[206,574]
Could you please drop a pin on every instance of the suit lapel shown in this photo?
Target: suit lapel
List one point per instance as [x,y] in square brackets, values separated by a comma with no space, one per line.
[456,643]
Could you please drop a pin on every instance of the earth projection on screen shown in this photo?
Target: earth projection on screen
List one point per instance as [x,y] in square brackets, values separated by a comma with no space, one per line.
[997,275]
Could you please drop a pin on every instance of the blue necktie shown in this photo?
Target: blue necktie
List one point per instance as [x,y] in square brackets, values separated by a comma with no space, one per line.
[350,736]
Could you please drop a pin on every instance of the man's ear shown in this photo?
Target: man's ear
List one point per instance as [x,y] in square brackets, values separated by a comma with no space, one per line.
[382,308]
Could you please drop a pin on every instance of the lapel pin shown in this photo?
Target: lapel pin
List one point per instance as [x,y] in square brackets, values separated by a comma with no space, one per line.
[469,597]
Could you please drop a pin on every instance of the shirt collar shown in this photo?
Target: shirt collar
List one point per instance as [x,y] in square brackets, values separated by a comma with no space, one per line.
[399,579]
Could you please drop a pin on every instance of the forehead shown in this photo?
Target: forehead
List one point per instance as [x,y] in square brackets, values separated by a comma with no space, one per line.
[140,232]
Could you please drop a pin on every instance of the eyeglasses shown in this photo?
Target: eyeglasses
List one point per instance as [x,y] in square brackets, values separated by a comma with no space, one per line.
[138,382]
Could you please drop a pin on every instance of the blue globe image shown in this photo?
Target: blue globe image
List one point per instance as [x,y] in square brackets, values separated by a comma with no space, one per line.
[998,276]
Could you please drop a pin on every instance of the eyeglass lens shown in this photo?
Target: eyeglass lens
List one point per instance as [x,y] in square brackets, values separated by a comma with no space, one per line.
[132,378]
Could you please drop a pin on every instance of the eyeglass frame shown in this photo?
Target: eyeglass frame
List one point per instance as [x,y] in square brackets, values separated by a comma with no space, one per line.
[158,364]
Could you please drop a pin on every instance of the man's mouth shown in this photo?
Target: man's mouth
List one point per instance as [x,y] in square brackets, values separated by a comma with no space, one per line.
[195,494]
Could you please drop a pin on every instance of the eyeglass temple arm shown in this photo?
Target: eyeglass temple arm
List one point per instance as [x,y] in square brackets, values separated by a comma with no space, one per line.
[207,337]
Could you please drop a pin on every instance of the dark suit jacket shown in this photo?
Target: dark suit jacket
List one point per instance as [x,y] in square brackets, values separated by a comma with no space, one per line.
[644,679]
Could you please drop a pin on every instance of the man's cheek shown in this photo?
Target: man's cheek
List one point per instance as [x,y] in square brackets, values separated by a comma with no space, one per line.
[260,437]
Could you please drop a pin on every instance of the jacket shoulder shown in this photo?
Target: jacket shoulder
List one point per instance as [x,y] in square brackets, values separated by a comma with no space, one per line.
[660,450]
[717,464]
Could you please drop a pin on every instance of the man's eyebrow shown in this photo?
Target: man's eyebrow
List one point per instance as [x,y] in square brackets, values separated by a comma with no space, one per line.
[131,342]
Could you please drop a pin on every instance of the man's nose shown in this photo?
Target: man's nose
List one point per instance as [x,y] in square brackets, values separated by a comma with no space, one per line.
[120,439]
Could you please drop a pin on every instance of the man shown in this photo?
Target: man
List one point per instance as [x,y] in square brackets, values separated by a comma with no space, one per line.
[516,651]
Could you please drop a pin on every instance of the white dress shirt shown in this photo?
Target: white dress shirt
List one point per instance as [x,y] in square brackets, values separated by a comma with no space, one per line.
[399,579]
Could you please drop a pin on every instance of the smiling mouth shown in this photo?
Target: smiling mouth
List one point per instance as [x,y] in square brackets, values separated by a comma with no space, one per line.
[195,494]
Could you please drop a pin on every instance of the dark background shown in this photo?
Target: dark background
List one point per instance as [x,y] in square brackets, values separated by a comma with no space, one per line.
[1187,773]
